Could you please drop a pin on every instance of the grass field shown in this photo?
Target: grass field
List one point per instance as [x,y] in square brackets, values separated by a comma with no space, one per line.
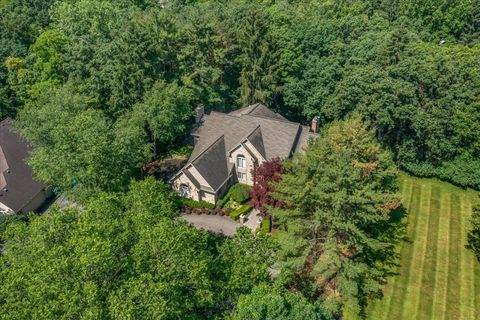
[438,278]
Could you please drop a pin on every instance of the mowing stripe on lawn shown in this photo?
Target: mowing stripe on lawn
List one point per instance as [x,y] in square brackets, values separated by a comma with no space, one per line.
[477,289]
[475,265]
[442,258]
[438,277]
[406,257]
[468,268]
[428,268]
[414,280]
[454,263]
[380,308]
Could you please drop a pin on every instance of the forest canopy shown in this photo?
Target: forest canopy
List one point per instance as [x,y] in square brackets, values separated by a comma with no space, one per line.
[409,68]
[102,87]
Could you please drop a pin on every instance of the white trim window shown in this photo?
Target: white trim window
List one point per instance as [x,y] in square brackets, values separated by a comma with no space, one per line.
[184,191]
[241,162]
[241,175]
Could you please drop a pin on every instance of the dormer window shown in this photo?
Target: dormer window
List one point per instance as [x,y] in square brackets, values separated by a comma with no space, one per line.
[241,162]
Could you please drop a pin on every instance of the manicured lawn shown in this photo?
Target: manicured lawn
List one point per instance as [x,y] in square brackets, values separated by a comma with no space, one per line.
[437,278]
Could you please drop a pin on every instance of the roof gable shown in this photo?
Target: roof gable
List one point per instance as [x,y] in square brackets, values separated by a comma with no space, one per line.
[212,164]
[256,139]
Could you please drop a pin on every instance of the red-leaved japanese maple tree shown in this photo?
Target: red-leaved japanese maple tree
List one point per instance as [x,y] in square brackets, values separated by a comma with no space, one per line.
[263,176]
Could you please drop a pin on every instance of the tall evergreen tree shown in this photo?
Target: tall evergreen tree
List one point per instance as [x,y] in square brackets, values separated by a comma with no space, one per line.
[257,58]
[336,227]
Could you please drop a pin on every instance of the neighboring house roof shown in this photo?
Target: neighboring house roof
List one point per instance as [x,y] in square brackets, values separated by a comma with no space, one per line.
[218,134]
[17,186]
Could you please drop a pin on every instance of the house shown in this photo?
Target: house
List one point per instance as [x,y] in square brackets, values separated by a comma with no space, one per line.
[227,147]
[19,191]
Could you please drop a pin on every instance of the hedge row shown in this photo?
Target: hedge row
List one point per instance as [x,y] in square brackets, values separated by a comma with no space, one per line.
[459,172]
[243,209]
[197,204]
[199,211]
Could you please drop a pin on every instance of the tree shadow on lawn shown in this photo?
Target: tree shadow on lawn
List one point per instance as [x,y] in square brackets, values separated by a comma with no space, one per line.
[392,232]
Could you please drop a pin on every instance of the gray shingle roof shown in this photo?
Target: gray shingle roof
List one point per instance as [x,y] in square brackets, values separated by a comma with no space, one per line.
[270,133]
[17,185]
[278,135]
[256,139]
[258,110]
[212,164]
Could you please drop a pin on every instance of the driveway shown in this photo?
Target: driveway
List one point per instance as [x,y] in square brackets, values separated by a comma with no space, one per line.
[217,224]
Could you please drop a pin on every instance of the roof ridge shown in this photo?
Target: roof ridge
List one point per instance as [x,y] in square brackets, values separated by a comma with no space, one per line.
[255,116]
[296,139]
[255,106]
[273,119]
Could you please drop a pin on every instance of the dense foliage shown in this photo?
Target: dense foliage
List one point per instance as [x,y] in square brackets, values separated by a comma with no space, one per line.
[123,257]
[5,221]
[339,223]
[276,303]
[197,204]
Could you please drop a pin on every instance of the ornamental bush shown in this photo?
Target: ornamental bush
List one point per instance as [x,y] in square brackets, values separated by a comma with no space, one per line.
[239,192]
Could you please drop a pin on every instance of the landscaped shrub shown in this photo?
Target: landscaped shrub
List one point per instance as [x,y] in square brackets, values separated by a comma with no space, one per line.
[197,204]
[221,202]
[243,209]
[238,192]
[265,226]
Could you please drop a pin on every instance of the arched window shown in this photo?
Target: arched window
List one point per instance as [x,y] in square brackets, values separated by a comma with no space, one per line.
[241,162]
[184,191]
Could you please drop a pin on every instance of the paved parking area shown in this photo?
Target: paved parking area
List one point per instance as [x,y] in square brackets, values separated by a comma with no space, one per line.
[217,224]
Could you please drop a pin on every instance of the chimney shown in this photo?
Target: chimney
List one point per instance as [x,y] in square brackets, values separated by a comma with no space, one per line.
[315,124]
[199,112]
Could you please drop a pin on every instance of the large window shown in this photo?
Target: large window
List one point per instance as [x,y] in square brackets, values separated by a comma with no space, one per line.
[241,162]
[184,191]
